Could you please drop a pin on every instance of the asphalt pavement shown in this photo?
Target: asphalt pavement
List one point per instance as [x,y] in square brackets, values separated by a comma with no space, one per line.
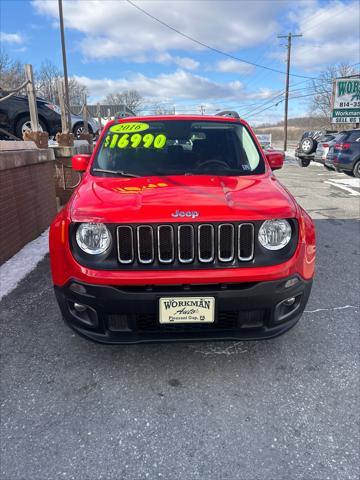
[286,408]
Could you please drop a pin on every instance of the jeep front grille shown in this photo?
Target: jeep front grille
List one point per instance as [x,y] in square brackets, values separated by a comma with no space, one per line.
[183,243]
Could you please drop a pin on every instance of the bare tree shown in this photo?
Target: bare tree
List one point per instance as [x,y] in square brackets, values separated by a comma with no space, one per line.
[11,72]
[322,88]
[46,85]
[76,92]
[158,109]
[46,81]
[131,98]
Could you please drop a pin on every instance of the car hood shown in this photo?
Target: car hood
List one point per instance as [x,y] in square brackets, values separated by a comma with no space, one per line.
[179,198]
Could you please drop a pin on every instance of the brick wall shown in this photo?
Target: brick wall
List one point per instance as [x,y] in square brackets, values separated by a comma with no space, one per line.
[27,199]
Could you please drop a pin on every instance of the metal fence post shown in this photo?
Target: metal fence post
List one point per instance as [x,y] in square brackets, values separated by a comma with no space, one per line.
[30,90]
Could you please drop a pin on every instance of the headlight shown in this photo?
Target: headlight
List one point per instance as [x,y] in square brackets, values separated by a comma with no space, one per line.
[93,238]
[275,234]
[53,107]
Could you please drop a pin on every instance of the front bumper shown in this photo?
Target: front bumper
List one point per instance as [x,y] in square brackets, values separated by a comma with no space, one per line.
[301,155]
[129,314]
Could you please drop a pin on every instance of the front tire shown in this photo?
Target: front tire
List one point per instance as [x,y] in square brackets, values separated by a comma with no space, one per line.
[24,124]
[80,129]
[356,170]
[305,162]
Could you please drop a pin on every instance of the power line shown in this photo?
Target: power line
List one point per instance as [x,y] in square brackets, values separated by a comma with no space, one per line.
[260,103]
[216,50]
[280,94]
[258,75]
[280,101]
[253,106]
[325,19]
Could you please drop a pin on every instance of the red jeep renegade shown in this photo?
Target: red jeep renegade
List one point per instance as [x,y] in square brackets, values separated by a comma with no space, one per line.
[180,231]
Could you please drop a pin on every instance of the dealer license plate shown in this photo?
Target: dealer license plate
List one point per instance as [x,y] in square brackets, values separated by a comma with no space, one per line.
[187,310]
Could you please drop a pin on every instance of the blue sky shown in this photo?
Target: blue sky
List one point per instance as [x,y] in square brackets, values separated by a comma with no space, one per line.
[113,46]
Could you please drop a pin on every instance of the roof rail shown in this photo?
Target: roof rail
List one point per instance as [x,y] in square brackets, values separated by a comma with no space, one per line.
[228,113]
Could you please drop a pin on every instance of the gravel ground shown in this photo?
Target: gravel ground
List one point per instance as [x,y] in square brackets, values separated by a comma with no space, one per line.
[281,409]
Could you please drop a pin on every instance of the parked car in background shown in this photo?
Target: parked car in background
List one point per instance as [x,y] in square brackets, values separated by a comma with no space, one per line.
[344,153]
[306,148]
[78,125]
[323,146]
[15,117]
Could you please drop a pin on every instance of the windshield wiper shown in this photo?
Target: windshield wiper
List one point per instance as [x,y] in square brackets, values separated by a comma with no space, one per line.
[116,172]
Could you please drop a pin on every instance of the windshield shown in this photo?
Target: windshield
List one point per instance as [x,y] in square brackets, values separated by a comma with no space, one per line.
[178,147]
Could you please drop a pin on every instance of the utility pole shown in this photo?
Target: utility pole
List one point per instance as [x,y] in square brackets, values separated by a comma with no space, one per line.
[67,102]
[289,37]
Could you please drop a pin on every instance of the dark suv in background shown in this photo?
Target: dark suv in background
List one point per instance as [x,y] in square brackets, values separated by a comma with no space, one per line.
[344,153]
[308,144]
[15,115]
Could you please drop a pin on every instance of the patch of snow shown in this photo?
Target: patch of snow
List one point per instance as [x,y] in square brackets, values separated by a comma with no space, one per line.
[339,184]
[22,263]
[344,307]
[352,182]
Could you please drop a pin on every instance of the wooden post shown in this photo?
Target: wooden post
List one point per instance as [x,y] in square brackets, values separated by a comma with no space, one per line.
[65,138]
[64,115]
[86,135]
[98,112]
[30,90]
[85,116]
[40,138]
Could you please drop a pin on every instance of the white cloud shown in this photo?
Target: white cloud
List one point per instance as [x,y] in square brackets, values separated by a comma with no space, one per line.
[177,86]
[233,66]
[12,38]
[331,34]
[187,63]
[183,62]
[262,93]
[116,29]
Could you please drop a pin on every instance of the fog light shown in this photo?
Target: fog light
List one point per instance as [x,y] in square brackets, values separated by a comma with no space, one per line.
[77,288]
[291,282]
[79,307]
[289,301]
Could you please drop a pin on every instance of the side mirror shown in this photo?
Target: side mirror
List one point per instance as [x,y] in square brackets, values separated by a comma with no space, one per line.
[80,163]
[275,159]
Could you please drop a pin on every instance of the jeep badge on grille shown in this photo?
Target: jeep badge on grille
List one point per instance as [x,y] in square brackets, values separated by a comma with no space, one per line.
[182,213]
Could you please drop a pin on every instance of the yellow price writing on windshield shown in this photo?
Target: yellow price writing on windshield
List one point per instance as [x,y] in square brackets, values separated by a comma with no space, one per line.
[134,141]
[129,127]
